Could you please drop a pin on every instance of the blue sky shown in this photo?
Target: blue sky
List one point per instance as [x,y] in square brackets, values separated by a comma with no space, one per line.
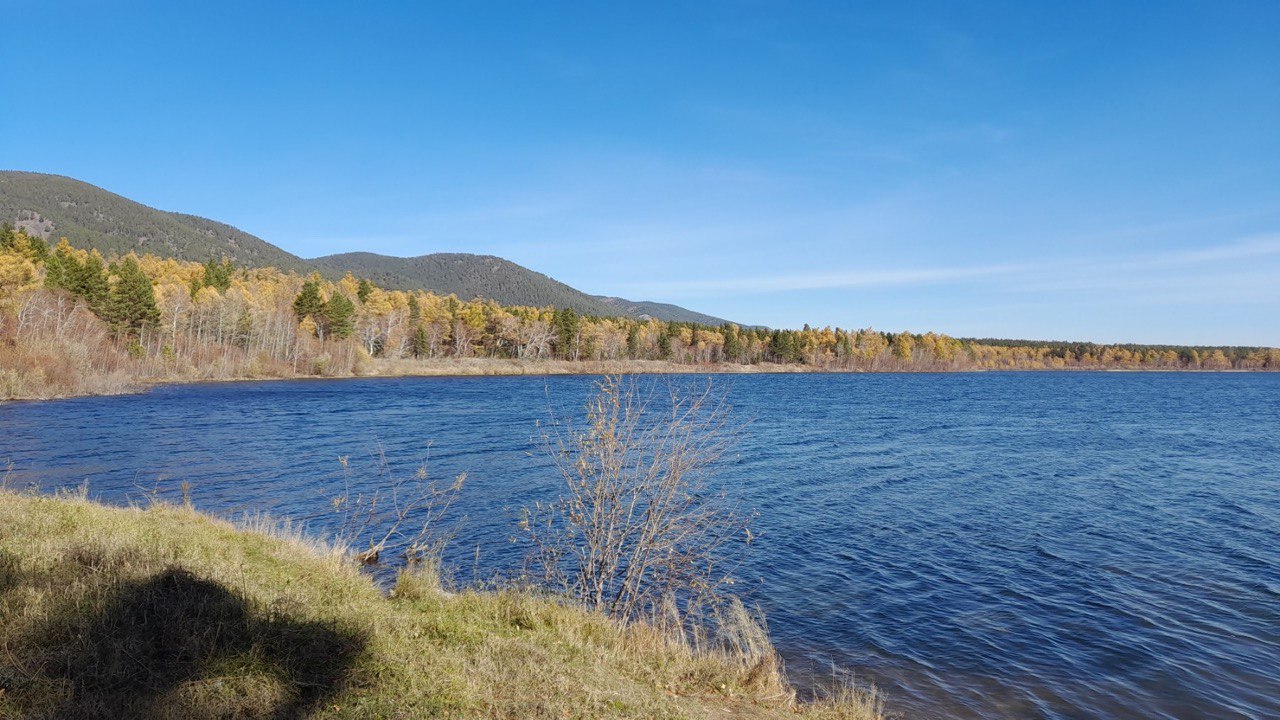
[1098,171]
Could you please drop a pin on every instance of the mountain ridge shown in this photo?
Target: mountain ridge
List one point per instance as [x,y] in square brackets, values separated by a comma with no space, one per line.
[95,218]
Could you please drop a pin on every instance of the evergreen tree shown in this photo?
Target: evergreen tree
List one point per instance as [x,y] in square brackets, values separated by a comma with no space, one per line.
[89,281]
[56,275]
[131,305]
[796,349]
[309,304]
[41,248]
[419,345]
[244,329]
[664,345]
[364,289]
[732,343]
[786,347]
[633,341]
[415,312]
[340,316]
[217,275]
[567,323]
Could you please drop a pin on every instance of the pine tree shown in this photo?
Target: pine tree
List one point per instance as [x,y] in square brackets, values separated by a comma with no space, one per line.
[244,329]
[89,281]
[340,316]
[732,343]
[785,346]
[365,288]
[419,345]
[567,324]
[415,312]
[664,345]
[308,304]
[217,275]
[56,272]
[131,305]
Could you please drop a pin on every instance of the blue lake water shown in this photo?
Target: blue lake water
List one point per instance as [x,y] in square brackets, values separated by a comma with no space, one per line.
[1029,545]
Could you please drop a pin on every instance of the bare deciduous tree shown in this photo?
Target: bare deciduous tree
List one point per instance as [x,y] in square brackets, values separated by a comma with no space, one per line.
[535,339]
[638,527]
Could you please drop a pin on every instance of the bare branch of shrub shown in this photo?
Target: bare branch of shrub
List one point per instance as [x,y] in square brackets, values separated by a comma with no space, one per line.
[404,511]
[638,526]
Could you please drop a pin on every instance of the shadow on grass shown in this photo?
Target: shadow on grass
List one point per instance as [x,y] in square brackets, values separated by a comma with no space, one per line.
[135,654]
[9,572]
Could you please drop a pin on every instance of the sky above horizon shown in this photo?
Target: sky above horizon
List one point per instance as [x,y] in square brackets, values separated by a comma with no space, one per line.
[1102,171]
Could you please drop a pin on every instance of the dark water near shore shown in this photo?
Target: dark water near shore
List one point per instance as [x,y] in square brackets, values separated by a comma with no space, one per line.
[1033,545]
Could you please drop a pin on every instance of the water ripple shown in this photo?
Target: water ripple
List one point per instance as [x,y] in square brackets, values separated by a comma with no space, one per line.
[995,545]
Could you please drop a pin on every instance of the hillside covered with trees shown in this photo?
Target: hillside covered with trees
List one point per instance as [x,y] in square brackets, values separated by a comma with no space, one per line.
[74,321]
[487,276]
[53,206]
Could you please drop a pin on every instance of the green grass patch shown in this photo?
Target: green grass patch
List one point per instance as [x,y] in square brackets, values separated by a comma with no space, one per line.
[167,613]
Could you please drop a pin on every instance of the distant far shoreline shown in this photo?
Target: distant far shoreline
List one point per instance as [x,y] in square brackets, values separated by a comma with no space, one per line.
[499,367]
[74,322]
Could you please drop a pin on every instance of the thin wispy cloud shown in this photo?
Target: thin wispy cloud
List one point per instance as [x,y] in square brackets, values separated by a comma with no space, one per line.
[817,281]
[1262,246]
[1058,275]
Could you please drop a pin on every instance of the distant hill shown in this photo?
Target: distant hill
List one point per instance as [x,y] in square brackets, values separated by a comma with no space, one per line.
[54,206]
[467,276]
[663,311]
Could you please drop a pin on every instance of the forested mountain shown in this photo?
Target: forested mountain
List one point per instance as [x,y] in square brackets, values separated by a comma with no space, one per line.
[52,206]
[662,311]
[469,276]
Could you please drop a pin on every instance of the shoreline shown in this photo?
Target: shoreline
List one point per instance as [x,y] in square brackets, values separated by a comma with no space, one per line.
[501,367]
[468,367]
[232,603]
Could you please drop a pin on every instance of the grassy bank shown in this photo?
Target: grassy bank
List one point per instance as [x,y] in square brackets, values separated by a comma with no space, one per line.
[164,612]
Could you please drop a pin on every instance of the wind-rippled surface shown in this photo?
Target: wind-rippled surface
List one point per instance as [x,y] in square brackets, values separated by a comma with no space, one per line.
[1039,545]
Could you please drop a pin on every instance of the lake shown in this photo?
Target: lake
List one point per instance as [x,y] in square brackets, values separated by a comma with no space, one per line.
[1029,545]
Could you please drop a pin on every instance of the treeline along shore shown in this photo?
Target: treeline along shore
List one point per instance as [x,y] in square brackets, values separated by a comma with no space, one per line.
[75,322]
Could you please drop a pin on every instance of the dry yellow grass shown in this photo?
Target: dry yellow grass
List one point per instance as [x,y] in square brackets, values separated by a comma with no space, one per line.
[163,612]
[46,376]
